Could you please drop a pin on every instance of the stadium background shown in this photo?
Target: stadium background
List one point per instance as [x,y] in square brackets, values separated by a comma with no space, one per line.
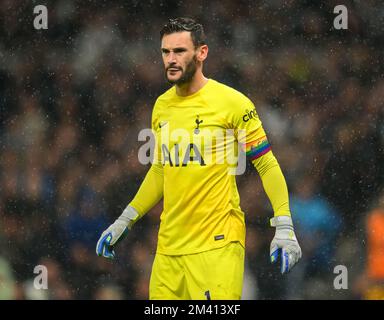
[74,97]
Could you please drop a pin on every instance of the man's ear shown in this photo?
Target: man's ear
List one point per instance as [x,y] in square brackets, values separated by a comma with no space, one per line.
[202,53]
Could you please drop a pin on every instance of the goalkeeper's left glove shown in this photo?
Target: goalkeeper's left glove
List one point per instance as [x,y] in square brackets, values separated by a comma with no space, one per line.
[115,233]
[285,243]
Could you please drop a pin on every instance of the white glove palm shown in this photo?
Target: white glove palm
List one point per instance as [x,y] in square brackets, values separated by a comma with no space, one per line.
[284,242]
[115,233]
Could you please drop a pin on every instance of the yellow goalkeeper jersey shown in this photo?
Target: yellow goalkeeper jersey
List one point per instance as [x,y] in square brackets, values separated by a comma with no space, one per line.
[197,138]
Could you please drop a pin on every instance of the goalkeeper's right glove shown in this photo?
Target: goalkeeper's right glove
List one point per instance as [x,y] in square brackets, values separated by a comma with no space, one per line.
[115,233]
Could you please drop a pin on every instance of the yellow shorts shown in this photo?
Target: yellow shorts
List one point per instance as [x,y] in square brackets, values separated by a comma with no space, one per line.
[215,274]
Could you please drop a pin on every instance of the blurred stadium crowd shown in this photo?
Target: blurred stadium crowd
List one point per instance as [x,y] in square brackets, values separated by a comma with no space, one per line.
[73,99]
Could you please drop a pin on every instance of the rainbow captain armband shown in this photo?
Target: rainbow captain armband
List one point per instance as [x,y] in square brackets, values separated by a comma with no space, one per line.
[255,149]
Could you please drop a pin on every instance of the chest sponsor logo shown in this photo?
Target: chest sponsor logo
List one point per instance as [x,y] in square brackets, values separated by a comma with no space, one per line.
[179,147]
[192,154]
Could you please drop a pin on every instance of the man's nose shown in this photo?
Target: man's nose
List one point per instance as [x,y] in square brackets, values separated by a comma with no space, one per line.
[171,58]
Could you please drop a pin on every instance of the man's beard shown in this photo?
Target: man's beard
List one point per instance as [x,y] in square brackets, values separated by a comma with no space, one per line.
[187,75]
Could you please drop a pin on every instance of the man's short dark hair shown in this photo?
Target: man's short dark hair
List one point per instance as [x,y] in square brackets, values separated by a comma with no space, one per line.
[185,24]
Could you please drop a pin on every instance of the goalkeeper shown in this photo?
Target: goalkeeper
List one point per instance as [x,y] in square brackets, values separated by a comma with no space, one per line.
[201,239]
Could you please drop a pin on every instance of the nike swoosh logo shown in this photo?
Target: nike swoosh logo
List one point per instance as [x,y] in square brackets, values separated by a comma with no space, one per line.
[162,124]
